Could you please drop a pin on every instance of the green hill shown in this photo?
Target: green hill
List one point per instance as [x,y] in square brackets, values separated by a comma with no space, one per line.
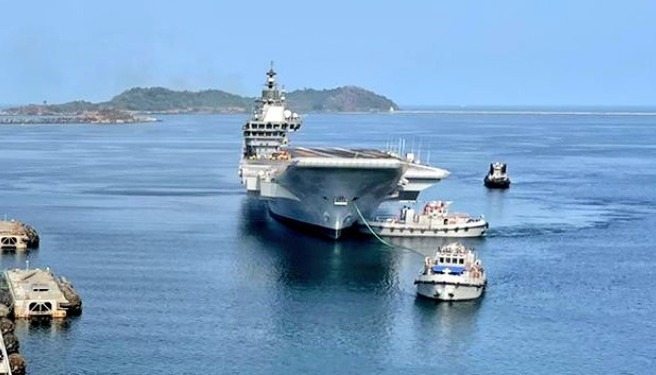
[159,99]
[342,99]
[162,100]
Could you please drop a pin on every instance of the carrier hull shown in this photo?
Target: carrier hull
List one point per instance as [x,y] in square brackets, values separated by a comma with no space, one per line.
[332,199]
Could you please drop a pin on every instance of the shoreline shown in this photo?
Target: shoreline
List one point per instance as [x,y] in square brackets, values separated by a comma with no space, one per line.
[72,120]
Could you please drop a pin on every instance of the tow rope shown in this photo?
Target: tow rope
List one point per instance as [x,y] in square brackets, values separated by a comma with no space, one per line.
[370,229]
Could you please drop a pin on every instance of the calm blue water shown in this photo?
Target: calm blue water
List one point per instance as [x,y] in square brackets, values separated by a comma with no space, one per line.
[180,273]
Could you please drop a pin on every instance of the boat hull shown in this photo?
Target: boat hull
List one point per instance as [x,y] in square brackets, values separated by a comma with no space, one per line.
[449,290]
[496,184]
[331,200]
[464,230]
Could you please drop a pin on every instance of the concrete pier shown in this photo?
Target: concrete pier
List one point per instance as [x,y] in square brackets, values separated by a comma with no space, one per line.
[17,236]
[39,293]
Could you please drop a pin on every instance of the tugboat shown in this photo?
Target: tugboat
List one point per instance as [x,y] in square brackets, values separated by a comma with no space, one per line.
[497,177]
[434,221]
[454,274]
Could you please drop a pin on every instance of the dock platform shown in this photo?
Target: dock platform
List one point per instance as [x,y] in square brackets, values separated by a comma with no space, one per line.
[17,236]
[39,293]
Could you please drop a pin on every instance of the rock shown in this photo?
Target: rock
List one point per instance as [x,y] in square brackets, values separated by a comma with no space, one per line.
[17,364]
[6,326]
[11,343]
[4,311]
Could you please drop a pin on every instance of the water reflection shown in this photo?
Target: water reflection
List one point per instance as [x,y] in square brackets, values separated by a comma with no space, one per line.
[47,345]
[17,259]
[302,259]
[318,293]
[44,326]
[453,323]
[494,206]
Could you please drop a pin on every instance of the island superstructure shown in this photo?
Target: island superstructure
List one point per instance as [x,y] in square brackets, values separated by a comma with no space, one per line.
[328,189]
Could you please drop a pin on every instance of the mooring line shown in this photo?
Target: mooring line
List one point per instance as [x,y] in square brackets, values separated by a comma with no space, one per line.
[370,229]
[391,246]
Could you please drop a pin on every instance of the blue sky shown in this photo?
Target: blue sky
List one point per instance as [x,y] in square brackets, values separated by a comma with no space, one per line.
[430,52]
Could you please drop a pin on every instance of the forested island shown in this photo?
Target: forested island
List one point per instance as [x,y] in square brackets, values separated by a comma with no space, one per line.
[161,100]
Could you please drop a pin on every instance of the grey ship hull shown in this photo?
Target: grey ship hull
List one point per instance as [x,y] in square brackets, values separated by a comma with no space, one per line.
[329,197]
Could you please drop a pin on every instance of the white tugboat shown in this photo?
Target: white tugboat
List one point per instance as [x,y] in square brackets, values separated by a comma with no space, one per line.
[434,221]
[455,274]
[497,177]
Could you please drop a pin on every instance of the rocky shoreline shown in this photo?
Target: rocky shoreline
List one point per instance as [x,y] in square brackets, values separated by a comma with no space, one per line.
[104,116]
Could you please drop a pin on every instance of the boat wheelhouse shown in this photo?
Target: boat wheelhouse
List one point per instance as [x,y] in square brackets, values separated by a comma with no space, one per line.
[453,274]
[497,177]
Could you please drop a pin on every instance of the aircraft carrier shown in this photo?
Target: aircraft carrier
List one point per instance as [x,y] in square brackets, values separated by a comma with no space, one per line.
[327,190]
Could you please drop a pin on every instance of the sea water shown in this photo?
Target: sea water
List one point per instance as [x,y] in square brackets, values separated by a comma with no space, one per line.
[181,273]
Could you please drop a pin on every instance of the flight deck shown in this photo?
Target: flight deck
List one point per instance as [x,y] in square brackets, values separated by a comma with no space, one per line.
[338,152]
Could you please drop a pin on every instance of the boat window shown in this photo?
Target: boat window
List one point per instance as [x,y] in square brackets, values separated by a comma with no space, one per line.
[448,260]
[462,261]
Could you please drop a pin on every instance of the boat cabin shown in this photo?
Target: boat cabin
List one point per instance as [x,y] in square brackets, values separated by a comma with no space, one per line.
[451,259]
[497,177]
[498,170]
